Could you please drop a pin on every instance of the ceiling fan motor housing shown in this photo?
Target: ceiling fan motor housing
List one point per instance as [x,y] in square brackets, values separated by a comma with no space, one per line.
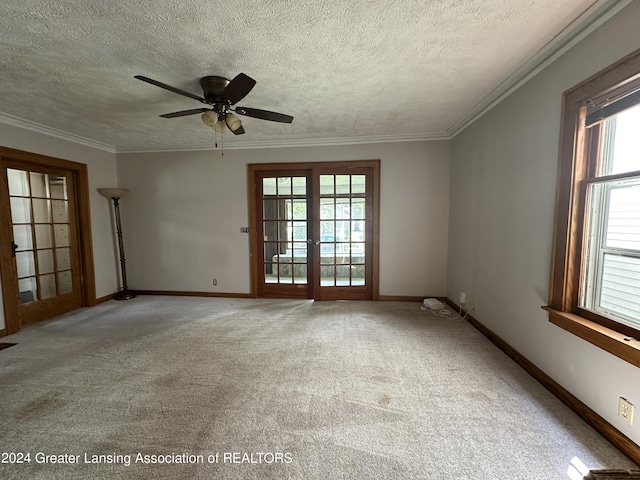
[212,87]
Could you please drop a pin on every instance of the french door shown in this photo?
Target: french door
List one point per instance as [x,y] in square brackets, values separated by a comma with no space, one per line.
[42,274]
[313,230]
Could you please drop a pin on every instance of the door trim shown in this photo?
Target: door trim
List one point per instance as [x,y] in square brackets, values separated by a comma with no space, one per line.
[83,214]
[252,168]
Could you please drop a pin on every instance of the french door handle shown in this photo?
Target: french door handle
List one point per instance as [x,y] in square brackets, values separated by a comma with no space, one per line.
[14,247]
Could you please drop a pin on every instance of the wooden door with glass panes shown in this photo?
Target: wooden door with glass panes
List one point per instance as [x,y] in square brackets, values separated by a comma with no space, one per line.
[44,243]
[285,233]
[343,252]
[313,231]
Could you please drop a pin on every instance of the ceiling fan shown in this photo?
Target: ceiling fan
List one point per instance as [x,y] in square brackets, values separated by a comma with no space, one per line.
[220,94]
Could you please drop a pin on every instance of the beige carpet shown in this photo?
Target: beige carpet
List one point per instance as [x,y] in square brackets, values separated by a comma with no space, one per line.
[278,389]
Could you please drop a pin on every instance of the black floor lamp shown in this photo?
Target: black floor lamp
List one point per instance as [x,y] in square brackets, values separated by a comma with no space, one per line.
[116,194]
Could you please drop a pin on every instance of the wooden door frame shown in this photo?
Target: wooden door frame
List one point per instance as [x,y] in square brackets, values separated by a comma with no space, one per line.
[83,215]
[252,168]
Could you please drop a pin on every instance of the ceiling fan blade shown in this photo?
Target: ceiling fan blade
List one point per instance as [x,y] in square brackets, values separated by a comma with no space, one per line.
[264,114]
[238,88]
[170,88]
[238,131]
[184,113]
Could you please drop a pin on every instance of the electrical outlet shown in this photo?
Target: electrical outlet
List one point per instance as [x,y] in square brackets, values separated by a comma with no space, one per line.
[215,282]
[463,298]
[625,410]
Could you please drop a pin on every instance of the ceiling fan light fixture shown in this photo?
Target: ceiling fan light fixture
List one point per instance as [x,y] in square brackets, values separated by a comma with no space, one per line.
[220,125]
[233,122]
[210,118]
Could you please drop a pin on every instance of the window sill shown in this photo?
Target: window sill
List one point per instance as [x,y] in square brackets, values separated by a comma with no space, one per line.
[622,346]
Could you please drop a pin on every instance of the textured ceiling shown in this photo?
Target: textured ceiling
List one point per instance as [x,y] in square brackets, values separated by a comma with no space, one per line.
[347,71]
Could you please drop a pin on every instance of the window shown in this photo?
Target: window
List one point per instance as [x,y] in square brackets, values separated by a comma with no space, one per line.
[610,269]
[595,279]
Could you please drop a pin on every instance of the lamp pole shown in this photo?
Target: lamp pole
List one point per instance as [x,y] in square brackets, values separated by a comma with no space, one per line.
[115,194]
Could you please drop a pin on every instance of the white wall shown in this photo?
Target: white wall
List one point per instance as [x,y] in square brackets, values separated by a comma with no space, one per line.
[503,180]
[184,211]
[102,173]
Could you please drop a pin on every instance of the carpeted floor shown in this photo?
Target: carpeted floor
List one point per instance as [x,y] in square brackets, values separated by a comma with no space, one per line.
[277,389]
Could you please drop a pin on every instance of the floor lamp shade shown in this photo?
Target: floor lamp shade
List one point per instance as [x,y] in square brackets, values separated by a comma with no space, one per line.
[113,192]
[116,194]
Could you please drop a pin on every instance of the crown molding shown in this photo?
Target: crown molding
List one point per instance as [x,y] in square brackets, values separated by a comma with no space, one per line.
[308,142]
[592,18]
[52,132]
[243,145]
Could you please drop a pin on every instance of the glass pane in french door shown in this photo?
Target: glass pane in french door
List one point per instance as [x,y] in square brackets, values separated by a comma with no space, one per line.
[284,230]
[342,230]
[39,213]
